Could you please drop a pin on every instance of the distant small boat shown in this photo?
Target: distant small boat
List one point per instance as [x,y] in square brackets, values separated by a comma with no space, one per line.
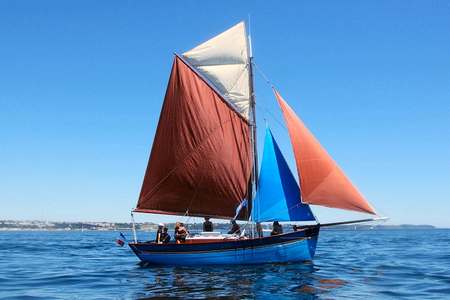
[203,163]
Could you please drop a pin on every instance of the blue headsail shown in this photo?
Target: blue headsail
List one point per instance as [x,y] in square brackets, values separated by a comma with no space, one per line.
[278,195]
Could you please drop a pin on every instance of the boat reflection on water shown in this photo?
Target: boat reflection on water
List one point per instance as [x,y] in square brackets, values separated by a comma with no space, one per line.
[299,279]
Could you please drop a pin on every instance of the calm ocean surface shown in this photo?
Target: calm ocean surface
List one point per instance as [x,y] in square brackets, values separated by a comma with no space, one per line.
[377,264]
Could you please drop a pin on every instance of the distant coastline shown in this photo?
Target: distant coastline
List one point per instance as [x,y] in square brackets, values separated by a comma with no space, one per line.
[12,225]
[381,227]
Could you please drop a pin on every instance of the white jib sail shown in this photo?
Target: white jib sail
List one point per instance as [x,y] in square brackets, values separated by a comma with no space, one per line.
[224,61]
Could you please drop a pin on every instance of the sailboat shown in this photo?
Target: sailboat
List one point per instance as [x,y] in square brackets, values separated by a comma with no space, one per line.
[204,163]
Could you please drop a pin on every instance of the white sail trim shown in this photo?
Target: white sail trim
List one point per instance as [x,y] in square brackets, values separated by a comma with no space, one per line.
[223,60]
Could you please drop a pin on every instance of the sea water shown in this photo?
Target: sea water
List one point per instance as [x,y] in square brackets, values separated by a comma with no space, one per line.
[370,264]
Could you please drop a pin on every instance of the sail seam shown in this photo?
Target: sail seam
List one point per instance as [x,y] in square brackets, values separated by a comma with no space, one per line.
[192,152]
[214,65]
[237,80]
[179,213]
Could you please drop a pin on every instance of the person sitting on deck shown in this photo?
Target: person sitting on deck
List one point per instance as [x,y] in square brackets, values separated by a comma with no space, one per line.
[180,233]
[276,228]
[259,230]
[159,233]
[235,229]
[207,225]
[165,236]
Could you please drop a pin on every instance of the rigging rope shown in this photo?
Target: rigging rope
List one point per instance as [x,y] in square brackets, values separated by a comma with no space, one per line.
[263,75]
[263,107]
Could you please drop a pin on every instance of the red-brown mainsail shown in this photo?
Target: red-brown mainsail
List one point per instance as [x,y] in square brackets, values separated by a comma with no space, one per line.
[322,182]
[201,159]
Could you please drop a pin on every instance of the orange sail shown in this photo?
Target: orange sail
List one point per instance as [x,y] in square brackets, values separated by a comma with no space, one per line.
[201,159]
[322,182]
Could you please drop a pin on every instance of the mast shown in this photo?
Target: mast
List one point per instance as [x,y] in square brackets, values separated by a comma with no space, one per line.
[253,143]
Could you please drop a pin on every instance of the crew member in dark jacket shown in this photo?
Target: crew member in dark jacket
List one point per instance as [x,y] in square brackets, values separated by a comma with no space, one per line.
[207,225]
[259,230]
[165,236]
[235,229]
[276,229]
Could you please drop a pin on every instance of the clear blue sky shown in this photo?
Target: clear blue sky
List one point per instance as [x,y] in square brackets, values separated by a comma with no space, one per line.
[82,83]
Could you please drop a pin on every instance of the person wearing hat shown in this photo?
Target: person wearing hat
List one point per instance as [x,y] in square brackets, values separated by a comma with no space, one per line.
[165,236]
[159,233]
[207,225]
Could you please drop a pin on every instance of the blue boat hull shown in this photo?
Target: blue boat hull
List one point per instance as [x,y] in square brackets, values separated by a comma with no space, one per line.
[293,246]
